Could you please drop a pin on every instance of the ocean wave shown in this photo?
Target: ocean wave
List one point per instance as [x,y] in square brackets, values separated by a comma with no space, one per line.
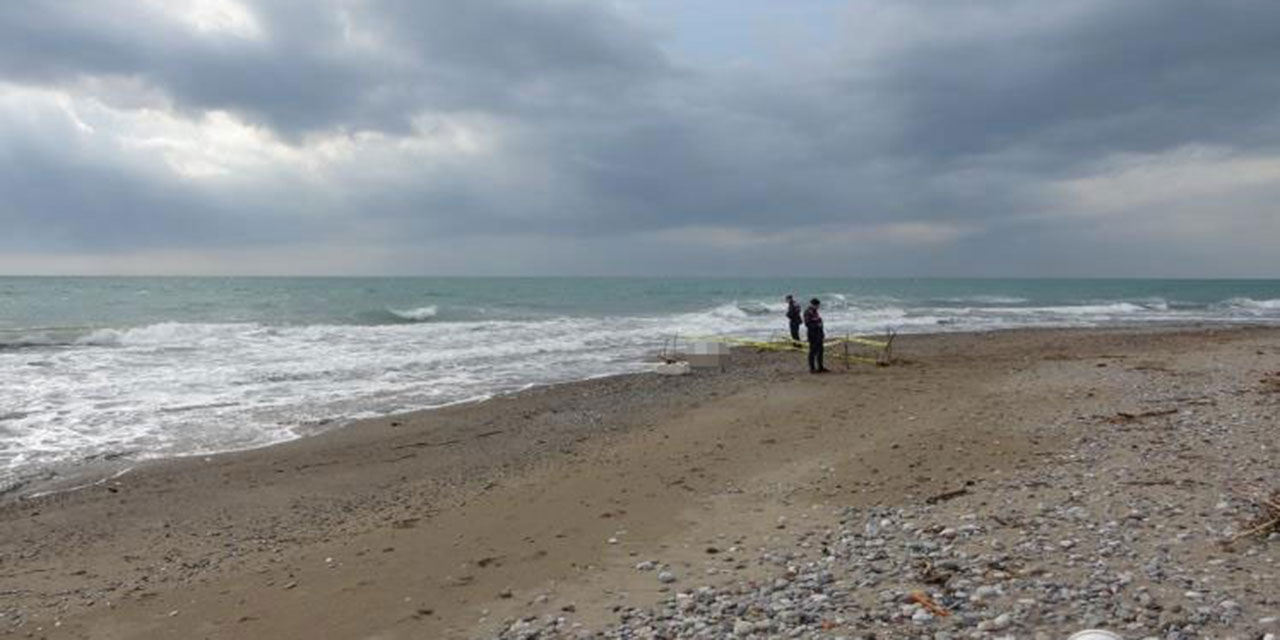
[29,340]
[420,314]
[1081,310]
[1109,309]
[986,299]
[729,311]
[871,314]
[747,309]
[36,337]
[1251,304]
[762,308]
[99,338]
[170,335]
[195,387]
[833,301]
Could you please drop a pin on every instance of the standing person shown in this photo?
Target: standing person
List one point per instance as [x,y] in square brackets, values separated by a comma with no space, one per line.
[816,335]
[793,316]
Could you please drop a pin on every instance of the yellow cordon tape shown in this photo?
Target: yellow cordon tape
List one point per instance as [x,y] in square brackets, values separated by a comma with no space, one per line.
[867,341]
[789,345]
[785,344]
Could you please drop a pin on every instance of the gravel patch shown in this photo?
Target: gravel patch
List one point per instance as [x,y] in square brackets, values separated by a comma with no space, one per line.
[1125,530]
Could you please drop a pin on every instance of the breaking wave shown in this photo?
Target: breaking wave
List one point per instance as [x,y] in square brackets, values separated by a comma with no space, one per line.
[420,314]
[984,299]
[1252,305]
[35,337]
[174,388]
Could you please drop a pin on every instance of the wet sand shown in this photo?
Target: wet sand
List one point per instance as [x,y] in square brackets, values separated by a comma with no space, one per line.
[450,523]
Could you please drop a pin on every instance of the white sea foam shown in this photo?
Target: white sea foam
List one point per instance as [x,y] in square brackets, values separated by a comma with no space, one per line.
[1103,310]
[985,299]
[834,301]
[170,389]
[729,311]
[1252,305]
[173,389]
[416,315]
[761,308]
[1107,309]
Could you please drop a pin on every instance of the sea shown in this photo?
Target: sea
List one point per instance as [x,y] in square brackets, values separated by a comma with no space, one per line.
[110,371]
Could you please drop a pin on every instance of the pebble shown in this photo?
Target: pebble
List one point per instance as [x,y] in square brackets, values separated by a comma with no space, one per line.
[1009,558]
[999,623]
[984,592]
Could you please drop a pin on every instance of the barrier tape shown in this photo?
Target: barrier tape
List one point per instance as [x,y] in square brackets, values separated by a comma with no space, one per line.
[790,345]
[785,344]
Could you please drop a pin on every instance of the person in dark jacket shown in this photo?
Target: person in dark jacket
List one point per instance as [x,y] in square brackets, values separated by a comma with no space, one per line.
[816,335]
[793,317]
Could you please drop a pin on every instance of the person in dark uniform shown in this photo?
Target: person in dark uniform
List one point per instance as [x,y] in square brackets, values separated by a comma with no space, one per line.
[816,335]
[793,317]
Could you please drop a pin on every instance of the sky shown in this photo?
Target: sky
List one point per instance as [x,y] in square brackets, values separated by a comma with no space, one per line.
[989,138]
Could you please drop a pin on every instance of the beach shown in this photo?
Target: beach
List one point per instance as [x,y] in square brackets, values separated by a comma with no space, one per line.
[1022,482]
[396,320]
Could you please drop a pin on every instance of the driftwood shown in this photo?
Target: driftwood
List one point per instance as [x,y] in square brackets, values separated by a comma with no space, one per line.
[444,443]
[943,497]
[1149,483]
[1268,520]
[426,443]
[923,600]
[1125,416]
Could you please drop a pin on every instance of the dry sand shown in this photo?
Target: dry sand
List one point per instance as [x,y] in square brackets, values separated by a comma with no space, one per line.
[455,522]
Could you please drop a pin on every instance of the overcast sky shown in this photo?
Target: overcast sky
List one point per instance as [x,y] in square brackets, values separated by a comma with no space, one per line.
[641,137]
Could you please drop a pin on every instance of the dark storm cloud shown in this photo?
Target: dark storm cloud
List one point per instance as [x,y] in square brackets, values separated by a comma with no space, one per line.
[308,74]
[53,203]
[289,83]
[113,209]
[966,117]
[1127,76]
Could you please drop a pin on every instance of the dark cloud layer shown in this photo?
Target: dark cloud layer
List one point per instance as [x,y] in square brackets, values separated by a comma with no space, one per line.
[981,139]
[310,76]
[1132,76]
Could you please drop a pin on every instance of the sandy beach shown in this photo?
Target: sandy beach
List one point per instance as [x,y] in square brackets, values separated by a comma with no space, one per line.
[1022,483]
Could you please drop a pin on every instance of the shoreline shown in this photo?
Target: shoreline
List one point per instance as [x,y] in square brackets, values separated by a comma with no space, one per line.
[455,492]
[90,472]
[68,477]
